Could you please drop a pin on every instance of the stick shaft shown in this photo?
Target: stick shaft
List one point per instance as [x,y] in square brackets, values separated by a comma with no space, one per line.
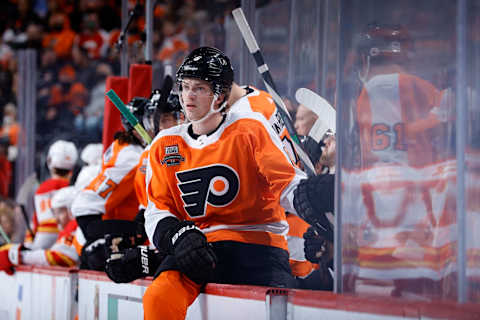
[4,235]
[262,68]
[128,115]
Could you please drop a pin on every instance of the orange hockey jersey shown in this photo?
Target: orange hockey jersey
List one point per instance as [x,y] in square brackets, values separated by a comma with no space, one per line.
[140,173]
[394,117]
[301,267]
[44,224]
[232,183]
[260,101]
[112,193]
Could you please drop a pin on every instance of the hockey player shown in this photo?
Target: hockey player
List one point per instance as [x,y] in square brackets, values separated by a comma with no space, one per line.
[163,112]
[201,207]
[61,159]
[111,195]
[248,98]
[62,253]
[405,206]
[402,137]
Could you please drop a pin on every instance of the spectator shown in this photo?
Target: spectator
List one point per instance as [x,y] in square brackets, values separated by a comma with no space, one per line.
[60,37]
[175,42]
[91,121]
[7,221]
[84,67]
[10,127]
[5,168]
[92,38]
[77,98]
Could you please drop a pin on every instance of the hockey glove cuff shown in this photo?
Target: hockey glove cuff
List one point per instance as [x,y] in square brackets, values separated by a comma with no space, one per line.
[194,255]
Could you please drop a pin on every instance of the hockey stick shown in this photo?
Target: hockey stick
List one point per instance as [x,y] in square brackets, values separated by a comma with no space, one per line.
[326,113]
[24,214]
[262,68]
[4,235]
[128,115]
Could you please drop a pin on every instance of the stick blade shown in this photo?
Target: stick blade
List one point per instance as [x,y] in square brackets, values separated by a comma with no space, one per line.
[318,105]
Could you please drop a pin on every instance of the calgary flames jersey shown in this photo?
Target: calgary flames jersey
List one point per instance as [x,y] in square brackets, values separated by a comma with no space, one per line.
[394,117]
[62,253]
[232,183]
[112,193]
[44,224]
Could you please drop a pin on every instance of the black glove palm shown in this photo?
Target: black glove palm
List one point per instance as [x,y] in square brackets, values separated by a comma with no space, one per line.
[93,255]
[194,255]
[316,247]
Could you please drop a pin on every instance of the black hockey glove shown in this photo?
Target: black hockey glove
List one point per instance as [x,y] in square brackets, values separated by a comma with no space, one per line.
[194,255]
[132,263]
[316,247]
[93,255]
[313,198]
[320,279]
[141,235]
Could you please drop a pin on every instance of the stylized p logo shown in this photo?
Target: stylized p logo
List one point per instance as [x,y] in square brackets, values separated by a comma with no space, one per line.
[216,185]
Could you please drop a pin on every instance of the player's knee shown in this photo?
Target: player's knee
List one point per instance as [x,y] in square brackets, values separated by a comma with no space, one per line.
[164,299]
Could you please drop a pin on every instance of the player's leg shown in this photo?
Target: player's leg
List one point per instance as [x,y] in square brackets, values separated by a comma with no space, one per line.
[169,296]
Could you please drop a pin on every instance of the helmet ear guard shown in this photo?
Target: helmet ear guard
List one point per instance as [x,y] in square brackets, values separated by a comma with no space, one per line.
[138,107]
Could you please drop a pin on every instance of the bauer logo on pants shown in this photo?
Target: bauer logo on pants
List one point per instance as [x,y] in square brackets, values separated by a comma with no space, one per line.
[217,185]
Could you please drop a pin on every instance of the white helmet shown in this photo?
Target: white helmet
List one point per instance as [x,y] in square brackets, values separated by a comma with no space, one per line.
[62,155]
[92,153]
[64,197]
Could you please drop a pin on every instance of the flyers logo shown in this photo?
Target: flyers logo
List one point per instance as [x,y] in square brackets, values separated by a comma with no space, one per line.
[216,185]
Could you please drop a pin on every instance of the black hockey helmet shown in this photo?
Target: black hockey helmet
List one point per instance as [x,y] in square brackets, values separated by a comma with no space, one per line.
[387,41]
[170,106]
[161,103]
[209,64]
[137,106]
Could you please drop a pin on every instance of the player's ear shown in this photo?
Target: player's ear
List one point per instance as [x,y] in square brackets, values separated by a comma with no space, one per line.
[220,100]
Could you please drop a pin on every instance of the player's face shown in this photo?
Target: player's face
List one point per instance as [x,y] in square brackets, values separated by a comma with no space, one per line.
[197,96]
[304,120]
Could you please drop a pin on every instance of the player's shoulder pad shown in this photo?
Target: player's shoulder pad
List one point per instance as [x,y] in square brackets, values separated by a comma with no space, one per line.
[239,116]
[129,155]
[51,185]
[243,119]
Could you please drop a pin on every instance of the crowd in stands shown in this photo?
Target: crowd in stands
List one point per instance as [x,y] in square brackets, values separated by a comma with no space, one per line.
[77,47]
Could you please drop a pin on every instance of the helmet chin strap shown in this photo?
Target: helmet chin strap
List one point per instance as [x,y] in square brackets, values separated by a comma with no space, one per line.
[210,112]
[363,77]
